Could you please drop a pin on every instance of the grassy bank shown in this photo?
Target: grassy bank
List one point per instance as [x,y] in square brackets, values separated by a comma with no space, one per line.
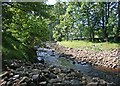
[90,45]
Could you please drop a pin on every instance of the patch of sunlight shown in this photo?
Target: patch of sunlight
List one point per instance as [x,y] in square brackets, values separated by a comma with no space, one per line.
[90,45]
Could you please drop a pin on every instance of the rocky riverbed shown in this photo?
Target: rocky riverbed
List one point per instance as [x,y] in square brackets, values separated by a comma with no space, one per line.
[104,58]
[54,68]
[25,73]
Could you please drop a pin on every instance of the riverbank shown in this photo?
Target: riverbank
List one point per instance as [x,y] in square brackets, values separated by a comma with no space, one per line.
[22,73]
[103,58]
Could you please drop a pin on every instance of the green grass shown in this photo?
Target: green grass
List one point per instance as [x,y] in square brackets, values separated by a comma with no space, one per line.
[89,45]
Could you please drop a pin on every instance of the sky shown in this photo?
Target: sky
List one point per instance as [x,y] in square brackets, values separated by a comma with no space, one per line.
[51,2]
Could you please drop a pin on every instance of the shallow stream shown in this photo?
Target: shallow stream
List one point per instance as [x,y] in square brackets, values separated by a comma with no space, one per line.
[53,58]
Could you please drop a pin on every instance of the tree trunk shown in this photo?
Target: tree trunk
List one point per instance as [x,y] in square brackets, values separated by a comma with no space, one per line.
[118,28]
[107,16]
[67,33]
[88,20]
[92,34]
[103,21]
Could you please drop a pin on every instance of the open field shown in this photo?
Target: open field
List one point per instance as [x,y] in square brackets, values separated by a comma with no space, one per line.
[90,45]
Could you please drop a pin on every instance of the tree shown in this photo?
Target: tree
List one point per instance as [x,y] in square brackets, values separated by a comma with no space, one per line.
[81,20]
[24,27]
[58,10]
[118,28]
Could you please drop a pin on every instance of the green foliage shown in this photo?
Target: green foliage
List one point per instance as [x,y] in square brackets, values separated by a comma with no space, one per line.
[78,20]
[28,24]
[24,26]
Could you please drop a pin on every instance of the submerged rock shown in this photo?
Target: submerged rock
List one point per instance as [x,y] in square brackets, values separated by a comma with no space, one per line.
[74,62]
[41,60]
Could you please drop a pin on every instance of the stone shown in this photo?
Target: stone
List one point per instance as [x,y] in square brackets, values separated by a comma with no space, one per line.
[114,66]
[79,62]
[23,80]
[51,66]
[56,70]
[31,84]
[16,81]
[84,82]
[62,55]
[16,76]
[74,62]
[5,78]
[43,78]
[62,75]
[66,82]
[52,55]
[23,84]
[55,80]
[9,83]
[35,71]
[14,65]
[112,84]
[35,78]
[11,74]
[43,83]
[3,83]
[83,63]
[5,74]
[58,84]
[102,82]
[93,84]
[73,74]
[51,75]
[42,61]
[95,79]
[74,81]
[83,78]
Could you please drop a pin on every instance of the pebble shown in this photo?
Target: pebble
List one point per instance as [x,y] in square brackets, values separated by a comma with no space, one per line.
[23,84]
[16,76]
[74,62]
[43,83]
[83,63]
[83,78]
[93,84]
[95,79]
[35,78]
[3,83]
[84,82]
[9,83]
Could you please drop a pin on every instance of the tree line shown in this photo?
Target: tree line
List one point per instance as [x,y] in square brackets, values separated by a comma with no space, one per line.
[26,24]
[87,20]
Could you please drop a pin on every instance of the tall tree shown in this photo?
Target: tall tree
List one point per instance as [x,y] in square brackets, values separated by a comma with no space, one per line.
[23,28]
[118,28]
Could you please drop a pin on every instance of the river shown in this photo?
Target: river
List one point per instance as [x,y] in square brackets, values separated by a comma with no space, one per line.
[53,58]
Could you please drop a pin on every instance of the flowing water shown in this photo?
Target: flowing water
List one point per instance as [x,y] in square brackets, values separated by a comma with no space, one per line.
[53,58]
